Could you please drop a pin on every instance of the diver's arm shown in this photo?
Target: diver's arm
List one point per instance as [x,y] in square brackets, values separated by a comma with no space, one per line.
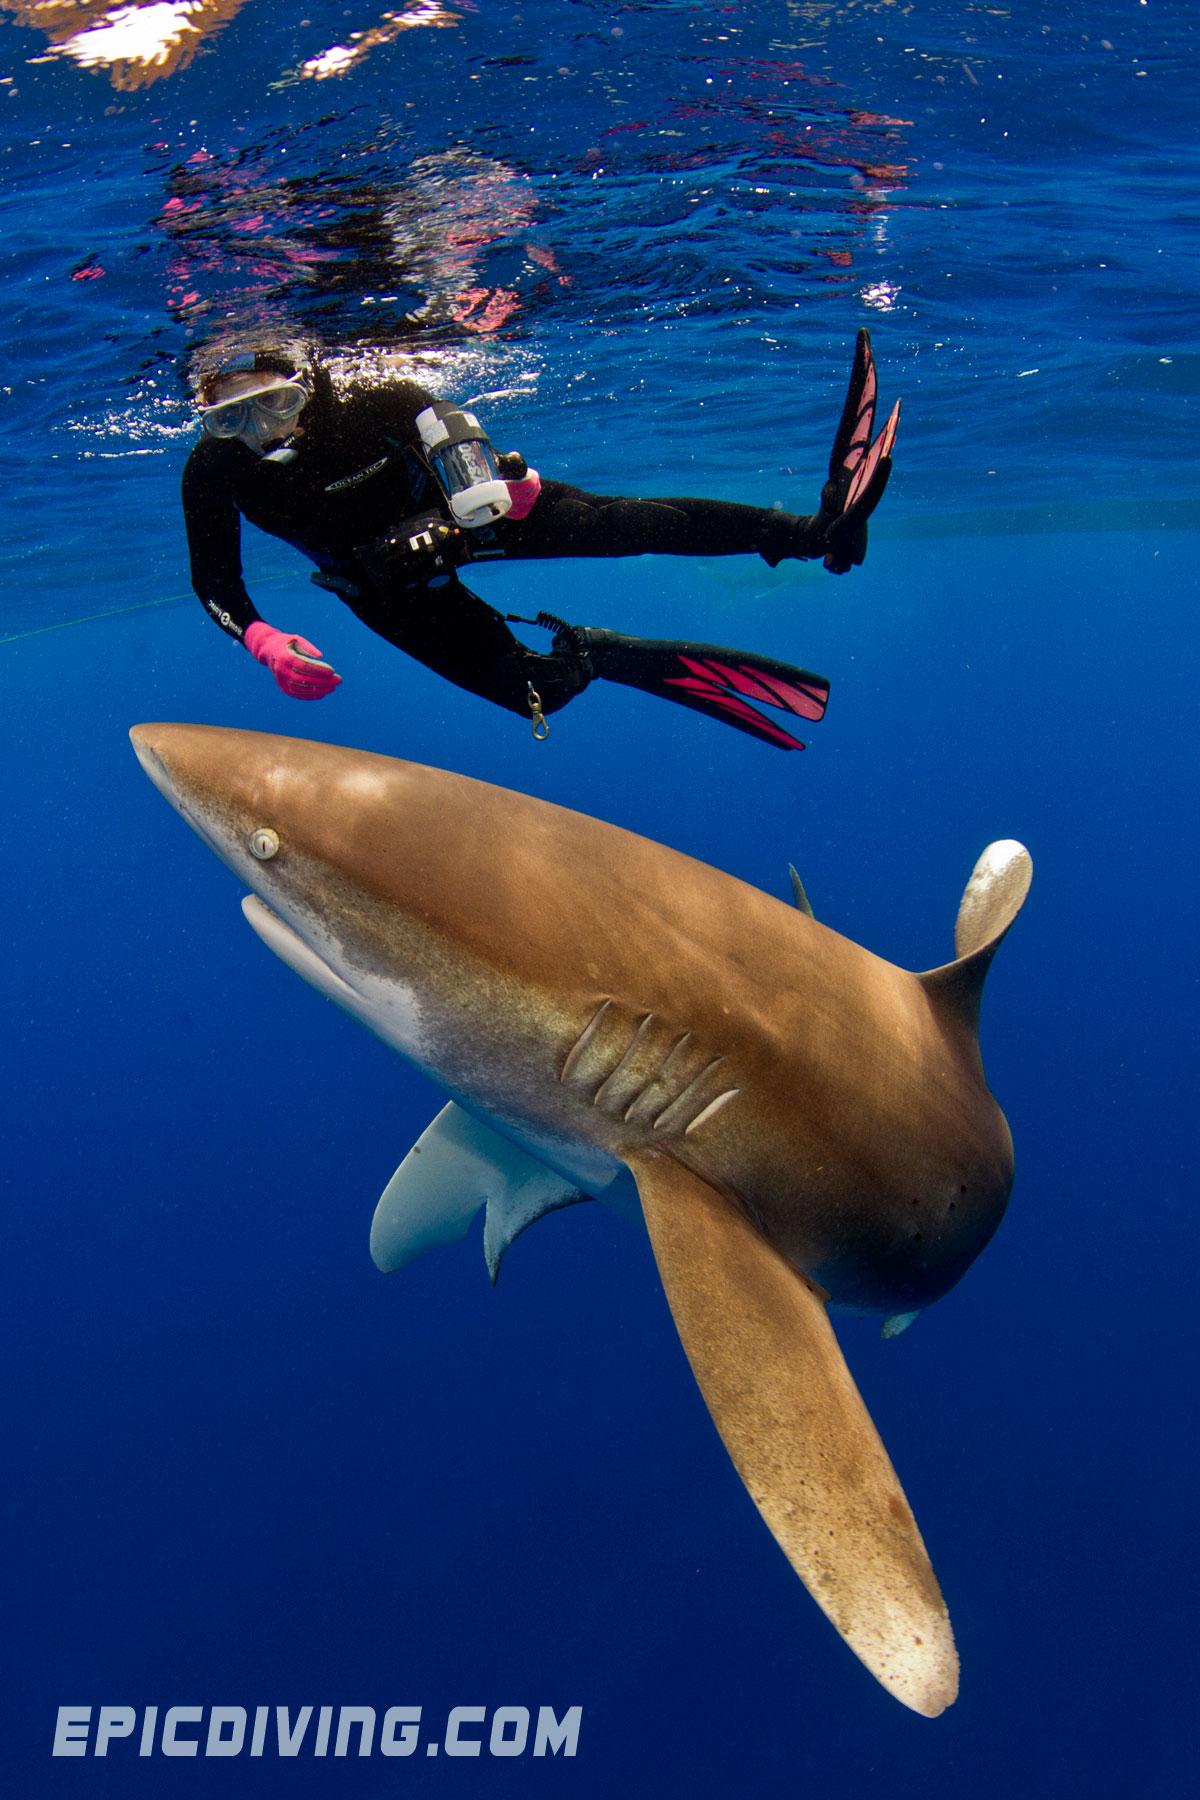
[393,410]
[214,536]
[214,530]
[390,410]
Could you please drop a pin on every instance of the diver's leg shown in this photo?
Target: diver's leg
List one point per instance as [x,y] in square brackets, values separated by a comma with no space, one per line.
[706,677]
[456,634]
[453,632]
[566,521]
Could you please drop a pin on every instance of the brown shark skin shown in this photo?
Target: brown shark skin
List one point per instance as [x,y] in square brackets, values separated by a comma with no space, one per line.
[860,1137]
[801,1119]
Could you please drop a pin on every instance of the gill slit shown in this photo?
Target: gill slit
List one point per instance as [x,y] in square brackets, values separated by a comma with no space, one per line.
[602,1091]
[581,1043]
[664,1120]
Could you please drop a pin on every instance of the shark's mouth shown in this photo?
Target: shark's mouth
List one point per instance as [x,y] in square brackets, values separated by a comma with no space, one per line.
[297,953]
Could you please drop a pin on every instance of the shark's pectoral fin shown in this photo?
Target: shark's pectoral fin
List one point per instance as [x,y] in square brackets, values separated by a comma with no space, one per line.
[769,1367]
[456,1166]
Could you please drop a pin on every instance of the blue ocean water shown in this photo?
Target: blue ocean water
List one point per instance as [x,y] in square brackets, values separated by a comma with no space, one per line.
[242,1468]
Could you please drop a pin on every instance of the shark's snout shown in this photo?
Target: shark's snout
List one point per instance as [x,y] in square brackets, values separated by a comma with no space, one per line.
[177,754]
[162,752]
[142,739]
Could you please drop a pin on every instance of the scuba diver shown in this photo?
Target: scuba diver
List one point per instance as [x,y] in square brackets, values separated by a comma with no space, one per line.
[390,492]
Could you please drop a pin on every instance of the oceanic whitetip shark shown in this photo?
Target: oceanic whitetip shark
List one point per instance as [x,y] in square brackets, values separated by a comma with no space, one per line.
[802,1121]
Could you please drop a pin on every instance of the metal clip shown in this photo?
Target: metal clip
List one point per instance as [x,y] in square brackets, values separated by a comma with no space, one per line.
[541,725]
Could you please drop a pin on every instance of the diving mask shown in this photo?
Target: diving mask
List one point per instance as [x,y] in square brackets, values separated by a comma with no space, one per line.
[275,405]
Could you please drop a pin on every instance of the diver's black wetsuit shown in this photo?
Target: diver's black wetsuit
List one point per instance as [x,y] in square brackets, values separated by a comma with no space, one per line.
[358,473]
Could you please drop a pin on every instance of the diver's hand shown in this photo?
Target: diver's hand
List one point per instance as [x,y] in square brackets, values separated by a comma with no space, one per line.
[416,552]
[858,468]
[438,543]
[294,662]
[524,484]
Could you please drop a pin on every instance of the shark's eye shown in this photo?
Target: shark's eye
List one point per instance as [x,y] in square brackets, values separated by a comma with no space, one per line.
[264,843]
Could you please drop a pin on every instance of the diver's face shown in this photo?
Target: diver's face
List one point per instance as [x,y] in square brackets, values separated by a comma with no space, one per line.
[259,409]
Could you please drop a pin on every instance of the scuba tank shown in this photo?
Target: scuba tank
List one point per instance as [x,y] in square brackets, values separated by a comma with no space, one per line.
[461,457]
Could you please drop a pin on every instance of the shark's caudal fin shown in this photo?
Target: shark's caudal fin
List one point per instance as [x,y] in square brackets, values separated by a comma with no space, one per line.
[769,1367]
[992,898]
[456,1166]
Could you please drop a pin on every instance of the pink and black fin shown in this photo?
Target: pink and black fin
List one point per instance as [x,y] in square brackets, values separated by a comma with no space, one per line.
[722,683]
[858,414]
[859,465]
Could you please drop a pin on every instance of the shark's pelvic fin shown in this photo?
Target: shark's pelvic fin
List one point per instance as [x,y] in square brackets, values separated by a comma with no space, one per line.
[760,1344]
[456,1166]
[891,1328]
[520,1203]
[803,903]
[992,898]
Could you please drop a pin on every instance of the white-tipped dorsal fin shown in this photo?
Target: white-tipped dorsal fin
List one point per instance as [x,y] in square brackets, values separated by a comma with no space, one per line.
[760,1344]
[803,903]
[456,1166]
[992,898]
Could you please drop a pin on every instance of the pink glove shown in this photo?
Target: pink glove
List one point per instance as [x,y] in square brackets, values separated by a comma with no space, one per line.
[523,493]
[293,661]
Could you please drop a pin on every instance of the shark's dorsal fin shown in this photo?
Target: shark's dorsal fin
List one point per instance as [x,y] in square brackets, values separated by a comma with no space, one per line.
[456,1166]
[992,898]
[759,1341]
[803,903]
[994,895]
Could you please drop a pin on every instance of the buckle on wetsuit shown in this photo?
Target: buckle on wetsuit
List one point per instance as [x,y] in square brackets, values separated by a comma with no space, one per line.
[541,724]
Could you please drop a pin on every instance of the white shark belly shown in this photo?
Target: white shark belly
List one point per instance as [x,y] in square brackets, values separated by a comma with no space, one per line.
[393,1010]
